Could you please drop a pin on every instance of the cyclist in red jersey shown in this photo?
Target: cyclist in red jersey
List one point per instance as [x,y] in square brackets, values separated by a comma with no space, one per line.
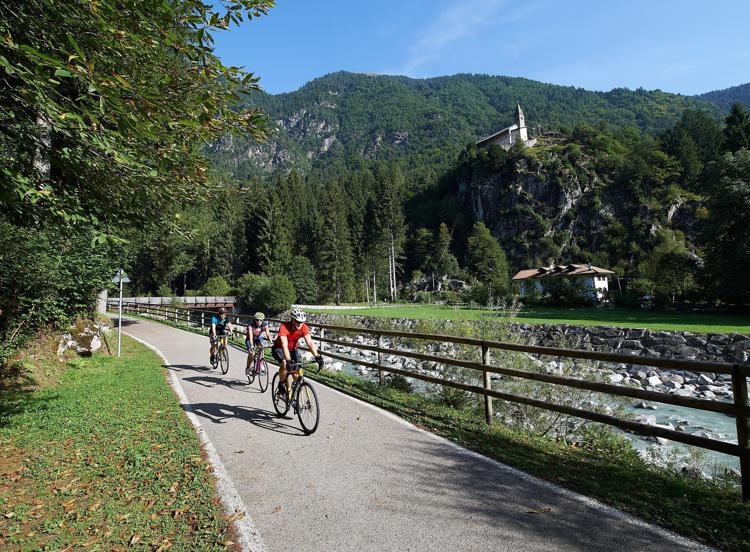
[285,347]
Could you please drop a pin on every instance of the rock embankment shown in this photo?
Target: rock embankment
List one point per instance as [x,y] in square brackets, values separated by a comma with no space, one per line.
[635,342]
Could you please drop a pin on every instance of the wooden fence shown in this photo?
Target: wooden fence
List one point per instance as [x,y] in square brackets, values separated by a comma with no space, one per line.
[739,408]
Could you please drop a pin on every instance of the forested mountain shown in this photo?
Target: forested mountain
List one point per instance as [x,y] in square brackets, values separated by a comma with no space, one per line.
[427,122]
[725,98]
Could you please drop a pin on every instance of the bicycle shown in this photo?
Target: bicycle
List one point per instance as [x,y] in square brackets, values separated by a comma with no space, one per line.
[300,396]
[221,358]
[259,368]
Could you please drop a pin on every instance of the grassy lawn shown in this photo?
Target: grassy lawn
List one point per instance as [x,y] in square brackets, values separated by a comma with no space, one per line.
[104,459]
[614,474]
[694,322]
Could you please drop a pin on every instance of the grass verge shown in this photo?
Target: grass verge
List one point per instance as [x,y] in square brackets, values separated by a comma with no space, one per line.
[107,460]
[627,318]
[706,511]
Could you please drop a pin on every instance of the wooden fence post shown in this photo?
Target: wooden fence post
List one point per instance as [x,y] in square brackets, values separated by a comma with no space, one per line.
[739,387]
[138,308]
[487,385]
[320,341]
[381,378]
[203,322]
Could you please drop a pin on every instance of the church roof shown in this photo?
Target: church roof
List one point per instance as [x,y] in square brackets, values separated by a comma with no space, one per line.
[499,133]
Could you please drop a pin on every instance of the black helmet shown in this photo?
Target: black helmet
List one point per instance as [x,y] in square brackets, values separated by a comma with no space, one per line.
[222,310]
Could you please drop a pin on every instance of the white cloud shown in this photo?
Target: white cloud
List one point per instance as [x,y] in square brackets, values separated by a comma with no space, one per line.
[457,22]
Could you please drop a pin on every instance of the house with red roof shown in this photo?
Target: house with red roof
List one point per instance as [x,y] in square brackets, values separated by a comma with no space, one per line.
[594,280]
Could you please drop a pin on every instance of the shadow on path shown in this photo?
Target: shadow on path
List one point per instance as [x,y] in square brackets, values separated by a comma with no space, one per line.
[264,419]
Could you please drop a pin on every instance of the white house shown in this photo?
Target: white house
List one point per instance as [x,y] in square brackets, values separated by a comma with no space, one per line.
[594,279]
[513,134]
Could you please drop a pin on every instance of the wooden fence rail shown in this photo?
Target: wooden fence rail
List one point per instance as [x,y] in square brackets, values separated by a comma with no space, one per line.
[739,408]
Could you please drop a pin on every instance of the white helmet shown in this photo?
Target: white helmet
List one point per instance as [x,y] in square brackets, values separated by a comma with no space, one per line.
[299,315]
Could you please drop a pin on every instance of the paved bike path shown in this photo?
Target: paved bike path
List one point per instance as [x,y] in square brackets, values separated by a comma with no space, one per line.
[367,481]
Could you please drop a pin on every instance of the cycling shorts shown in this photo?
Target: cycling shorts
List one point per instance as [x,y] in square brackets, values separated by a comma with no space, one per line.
[278,354]
[257,342]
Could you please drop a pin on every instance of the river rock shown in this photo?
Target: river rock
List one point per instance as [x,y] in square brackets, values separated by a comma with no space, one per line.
[669,384]
[647,419]
[615,378]
[703,379]
[653,381]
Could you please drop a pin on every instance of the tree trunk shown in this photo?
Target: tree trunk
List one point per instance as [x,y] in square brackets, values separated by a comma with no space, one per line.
[41,158]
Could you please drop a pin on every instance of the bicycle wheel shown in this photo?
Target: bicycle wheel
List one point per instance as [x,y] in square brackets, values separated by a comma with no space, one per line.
[224,360]
[250,372]
[308,410]
[280,401]
[263,376]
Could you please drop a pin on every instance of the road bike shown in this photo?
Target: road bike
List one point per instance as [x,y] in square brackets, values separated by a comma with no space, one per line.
[258,368]
[299,395]
[221,358]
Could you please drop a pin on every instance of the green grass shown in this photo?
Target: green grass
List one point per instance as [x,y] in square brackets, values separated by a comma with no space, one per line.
[612,473]
[106,459]
[629,318]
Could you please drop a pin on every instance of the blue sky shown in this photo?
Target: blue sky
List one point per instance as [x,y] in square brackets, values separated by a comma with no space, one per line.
[685,46]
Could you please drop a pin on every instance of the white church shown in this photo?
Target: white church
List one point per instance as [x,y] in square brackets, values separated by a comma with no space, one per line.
[508,136]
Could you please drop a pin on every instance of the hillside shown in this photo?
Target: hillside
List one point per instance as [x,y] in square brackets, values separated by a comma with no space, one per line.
[427,122]
[725,98]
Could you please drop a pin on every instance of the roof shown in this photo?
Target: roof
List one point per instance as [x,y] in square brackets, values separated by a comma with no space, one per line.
[492,137]
[562,271]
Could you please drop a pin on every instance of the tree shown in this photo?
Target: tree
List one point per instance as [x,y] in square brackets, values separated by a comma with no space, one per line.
[303,277]
[389,228]
[486,260]
[249,287]
[445,262]
[277,295]
[727,231]
[273,240]
[105,106]
[670,266]
[335,254]
[215,286]
[737,129]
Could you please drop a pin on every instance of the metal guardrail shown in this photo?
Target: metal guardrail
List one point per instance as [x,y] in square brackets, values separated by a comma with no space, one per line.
[739,408]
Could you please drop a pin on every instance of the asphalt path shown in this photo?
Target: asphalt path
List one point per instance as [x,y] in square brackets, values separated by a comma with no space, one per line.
[367,480]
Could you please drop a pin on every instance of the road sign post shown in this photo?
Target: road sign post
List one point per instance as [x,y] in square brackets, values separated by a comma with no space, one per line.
[120,278]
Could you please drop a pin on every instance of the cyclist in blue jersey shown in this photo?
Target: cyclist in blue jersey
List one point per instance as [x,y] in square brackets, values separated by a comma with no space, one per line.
[258,335]
[220,326]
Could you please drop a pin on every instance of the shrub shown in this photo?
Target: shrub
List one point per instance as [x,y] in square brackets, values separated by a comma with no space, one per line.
[455,398]
[215,285]
[277,295]
[249,287]
[164,291]
[400,383]
[423,297]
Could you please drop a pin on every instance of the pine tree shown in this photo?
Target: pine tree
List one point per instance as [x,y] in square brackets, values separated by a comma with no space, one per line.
[273,243]
[486,260]
[737,129]
[335,252]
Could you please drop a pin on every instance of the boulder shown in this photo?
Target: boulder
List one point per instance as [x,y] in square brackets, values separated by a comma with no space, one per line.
[653,381]
[615,378]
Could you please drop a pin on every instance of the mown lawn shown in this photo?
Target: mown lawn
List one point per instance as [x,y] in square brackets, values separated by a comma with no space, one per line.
[629,318]
[609,471]
[105,460]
